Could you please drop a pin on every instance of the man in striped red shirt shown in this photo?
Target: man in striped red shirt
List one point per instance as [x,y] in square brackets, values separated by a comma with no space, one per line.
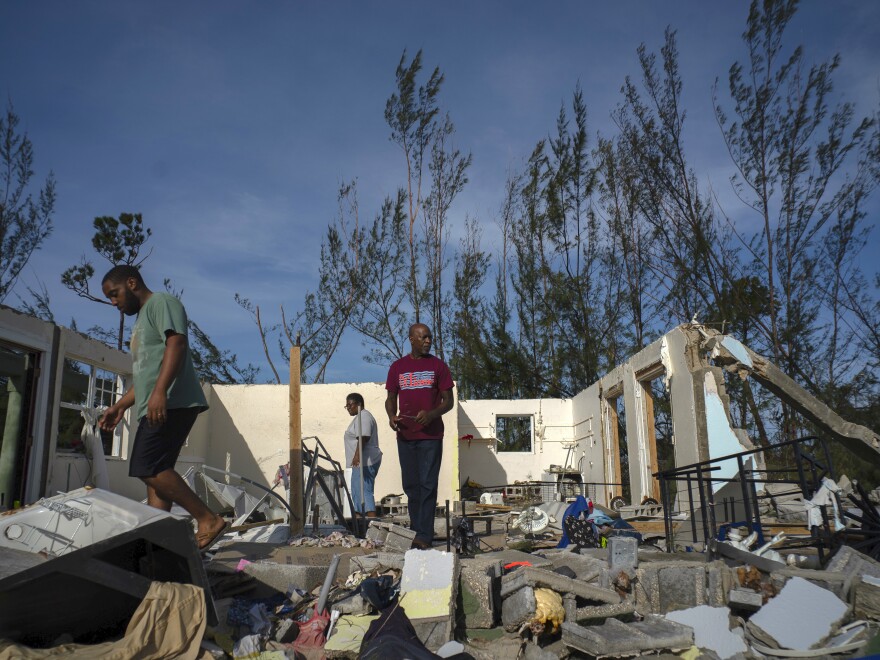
[419,393]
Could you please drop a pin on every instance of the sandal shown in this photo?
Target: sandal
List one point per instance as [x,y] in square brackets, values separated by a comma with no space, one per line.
[211,541]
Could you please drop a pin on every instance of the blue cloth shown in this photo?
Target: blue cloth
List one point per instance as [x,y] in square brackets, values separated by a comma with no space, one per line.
[576,509]
[599,518]
[370,472]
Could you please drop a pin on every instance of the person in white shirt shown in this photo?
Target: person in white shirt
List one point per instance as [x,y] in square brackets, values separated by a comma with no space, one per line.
[363,427]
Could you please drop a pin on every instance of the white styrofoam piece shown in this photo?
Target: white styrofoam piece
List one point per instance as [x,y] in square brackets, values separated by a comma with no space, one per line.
[70,521]
[801,615]
[870,579]
[711,629]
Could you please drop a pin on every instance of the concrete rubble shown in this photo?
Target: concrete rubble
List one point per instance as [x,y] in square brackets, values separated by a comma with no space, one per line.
[623,600]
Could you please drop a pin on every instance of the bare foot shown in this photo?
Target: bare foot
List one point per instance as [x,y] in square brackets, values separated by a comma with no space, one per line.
[208,533]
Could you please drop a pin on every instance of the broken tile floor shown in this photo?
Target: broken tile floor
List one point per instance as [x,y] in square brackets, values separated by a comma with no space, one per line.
[517,598]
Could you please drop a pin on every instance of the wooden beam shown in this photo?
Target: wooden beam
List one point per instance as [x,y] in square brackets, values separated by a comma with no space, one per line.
[648,398]
[297,508]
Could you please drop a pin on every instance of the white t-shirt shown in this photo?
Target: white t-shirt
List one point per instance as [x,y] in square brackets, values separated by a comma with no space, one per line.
[371,452]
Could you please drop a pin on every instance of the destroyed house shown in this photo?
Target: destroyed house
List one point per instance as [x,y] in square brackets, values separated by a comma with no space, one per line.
[608,442]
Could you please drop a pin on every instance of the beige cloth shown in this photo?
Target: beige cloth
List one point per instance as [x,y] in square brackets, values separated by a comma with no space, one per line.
[169,623]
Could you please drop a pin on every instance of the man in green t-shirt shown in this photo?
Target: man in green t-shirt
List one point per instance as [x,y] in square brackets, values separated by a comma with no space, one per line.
[166,395]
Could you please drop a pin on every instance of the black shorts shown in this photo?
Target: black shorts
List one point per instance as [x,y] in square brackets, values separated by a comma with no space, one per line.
[157,446]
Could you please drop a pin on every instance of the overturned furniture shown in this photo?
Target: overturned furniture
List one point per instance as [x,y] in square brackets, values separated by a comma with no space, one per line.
[82,562]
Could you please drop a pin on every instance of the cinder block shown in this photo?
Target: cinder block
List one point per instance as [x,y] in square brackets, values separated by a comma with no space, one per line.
[615,638]
[552,651]
[478,600]
[518,608]
[282,577]
[681,588]
[719,581]
[745,599]
[585,568]
[853,565]
[354,604]
[379,561]
[662,587]
[396,537]
[428,588]
[866,598]
[601,612]
[623,553]
[539,577]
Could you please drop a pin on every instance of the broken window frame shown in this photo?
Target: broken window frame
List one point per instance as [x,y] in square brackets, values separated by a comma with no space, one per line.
[96,396]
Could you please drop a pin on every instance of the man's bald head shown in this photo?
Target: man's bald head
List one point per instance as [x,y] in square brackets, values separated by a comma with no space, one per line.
[420,340]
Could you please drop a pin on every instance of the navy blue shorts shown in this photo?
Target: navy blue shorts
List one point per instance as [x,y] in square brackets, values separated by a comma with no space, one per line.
[157,446]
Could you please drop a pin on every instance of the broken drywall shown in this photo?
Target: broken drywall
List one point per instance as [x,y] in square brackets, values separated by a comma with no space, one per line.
[800,616]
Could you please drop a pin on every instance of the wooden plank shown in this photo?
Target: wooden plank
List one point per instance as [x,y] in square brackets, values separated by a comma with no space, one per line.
[297,506]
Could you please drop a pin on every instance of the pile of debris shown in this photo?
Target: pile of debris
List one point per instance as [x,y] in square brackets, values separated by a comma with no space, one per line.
[261,594]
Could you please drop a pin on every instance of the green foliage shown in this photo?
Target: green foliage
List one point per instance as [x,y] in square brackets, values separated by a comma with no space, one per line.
[25,222]
[118,241]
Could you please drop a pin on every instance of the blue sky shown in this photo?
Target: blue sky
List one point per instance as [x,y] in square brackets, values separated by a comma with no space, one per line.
[230,125]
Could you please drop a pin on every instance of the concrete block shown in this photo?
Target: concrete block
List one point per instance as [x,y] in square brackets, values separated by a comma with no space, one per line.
[585,568]
[428,587]
[711,626]
[681,587]
[539,577]
[478,600]
[623,553]
[394,538]
[852,564]
[595,553]
[550,652]
[719,580]
[602,612]
[377,532]
[745,599]
[615,638]
[662,587]
[801,615]
[353,604]
[377,562]
[866,598]
[283,577]
[518,608]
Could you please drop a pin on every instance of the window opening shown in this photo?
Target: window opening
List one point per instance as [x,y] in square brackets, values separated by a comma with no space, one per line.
[514,433]
[84,387]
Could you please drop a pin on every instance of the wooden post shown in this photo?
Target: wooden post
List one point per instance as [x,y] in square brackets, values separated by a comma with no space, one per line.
[297,507]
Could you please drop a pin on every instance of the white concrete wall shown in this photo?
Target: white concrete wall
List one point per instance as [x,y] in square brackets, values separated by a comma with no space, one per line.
[480,460]
[247,432]
[588,425]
